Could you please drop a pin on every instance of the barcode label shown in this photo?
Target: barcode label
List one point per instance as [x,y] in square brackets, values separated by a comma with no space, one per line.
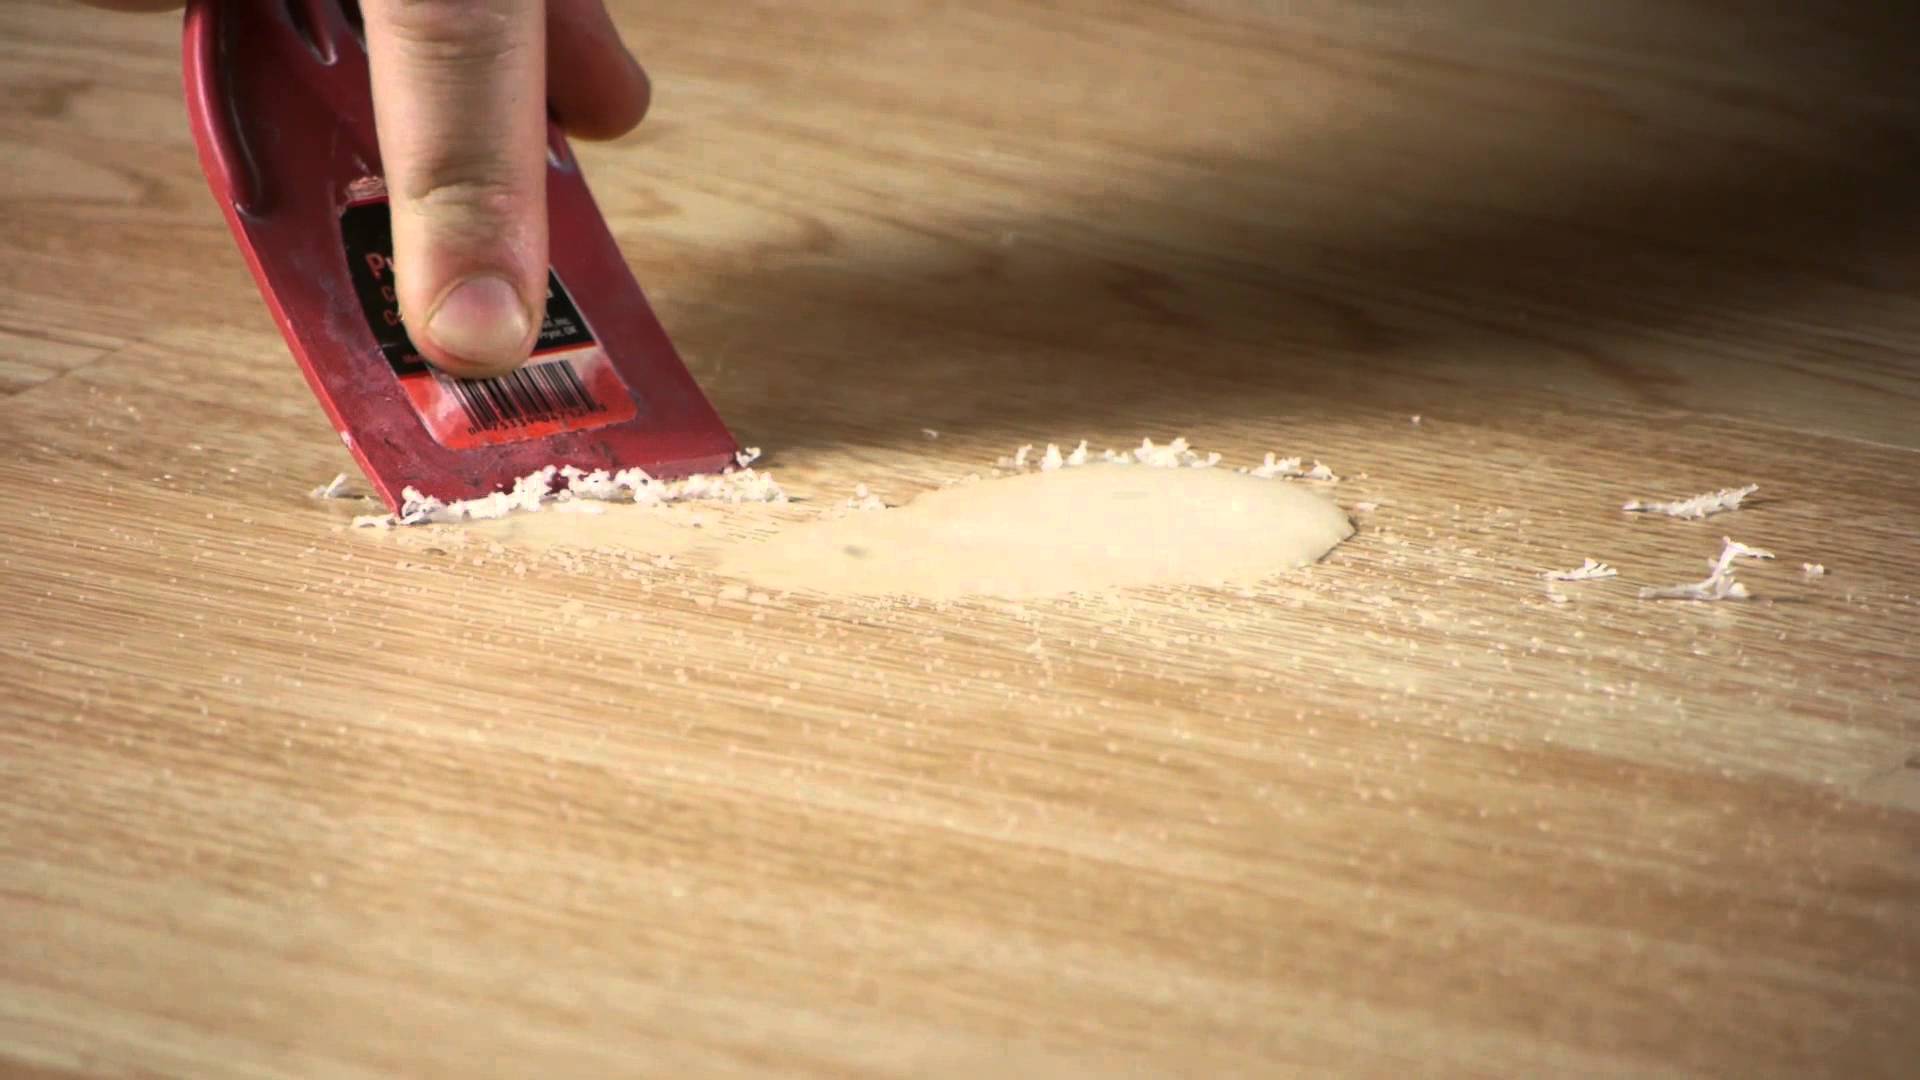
[536,394]
[569,386]
[574,390]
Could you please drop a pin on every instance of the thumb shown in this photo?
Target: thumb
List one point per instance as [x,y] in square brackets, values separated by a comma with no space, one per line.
[459,89]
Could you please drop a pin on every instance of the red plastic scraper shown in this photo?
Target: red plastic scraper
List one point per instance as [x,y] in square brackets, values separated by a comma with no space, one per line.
[279,95]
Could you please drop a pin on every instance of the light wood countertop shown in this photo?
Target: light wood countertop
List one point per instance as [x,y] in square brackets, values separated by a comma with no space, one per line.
[278,798]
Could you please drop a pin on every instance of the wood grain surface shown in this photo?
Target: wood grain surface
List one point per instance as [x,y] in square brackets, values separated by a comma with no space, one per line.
[280,798]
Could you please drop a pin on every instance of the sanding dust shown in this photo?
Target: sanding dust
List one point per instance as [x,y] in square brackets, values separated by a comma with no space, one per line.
[1700,506]
[1055,532]
[635,531]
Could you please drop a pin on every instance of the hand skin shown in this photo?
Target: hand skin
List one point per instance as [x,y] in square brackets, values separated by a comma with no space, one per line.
[461,92]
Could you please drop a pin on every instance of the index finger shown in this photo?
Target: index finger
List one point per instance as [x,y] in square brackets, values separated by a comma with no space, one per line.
[459,92]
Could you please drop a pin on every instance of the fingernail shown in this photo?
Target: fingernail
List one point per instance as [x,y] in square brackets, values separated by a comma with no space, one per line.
[483,322]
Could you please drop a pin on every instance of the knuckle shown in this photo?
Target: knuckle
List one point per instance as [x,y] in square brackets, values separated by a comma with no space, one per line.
[466,189]
[459,161]
[457,33]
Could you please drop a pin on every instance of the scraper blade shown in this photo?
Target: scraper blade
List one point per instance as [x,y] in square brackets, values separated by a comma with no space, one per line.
[278,92]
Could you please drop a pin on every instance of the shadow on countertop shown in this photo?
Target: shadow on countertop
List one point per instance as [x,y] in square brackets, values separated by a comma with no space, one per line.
[1669,209]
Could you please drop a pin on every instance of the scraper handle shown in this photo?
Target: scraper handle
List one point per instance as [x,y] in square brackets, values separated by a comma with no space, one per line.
[223,155]
[280,98]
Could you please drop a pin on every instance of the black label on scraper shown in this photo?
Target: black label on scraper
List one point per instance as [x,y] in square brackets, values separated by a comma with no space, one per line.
[367,231]
[568,385]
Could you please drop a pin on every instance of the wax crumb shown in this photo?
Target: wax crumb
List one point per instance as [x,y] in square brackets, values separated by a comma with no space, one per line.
[1273,466]
[1177,454]
[1414,419]
[1276,466]
[929,433]
[1813,569]
[1719,584]
[1586,571]
[1699,506]
[865,500]
[332,489]
[559,486]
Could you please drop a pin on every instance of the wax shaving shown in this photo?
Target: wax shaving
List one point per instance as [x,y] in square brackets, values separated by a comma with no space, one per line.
[1178,454]
[1718,585]
[1586,571]
[335,488]
[1273,467]
[565,488]
[1018,462]
[1699,506]
[1290,468]
[1175,455]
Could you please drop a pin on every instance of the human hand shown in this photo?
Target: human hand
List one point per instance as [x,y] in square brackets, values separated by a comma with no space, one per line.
[461,92]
